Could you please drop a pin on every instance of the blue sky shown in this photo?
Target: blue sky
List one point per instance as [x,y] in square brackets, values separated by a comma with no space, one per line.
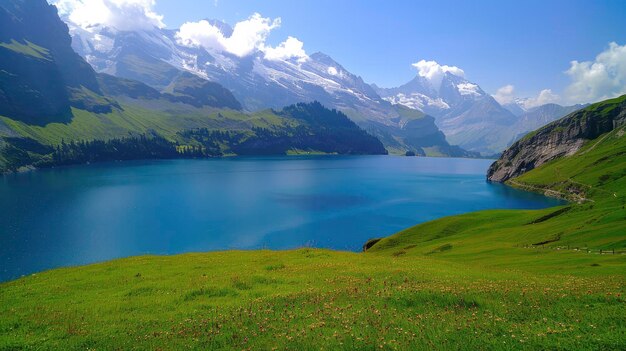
[525,43]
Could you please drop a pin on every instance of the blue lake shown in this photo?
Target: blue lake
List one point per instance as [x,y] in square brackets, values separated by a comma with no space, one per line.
[85,214]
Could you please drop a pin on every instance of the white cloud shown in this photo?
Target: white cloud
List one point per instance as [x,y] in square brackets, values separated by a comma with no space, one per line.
[248,35]
[546,96]
[332,71]
[434,72]
[202,34]
[291,48]
[124,15]
[601,79]
[505,95]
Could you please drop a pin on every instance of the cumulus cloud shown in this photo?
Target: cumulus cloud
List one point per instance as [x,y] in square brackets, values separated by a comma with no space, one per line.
[505,95]
[434,72]
[202,34]
[546,96]
[291,48]
[591,81]
[248,36]
[603,78]
[124,15]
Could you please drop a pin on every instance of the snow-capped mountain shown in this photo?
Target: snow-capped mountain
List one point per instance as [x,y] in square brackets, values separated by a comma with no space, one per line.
[517,106]
[467,115]
[256,81]
[156,57]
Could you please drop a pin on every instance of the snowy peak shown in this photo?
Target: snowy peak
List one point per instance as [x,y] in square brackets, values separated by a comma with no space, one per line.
[326,67]
[467,115]
[157,56]
[422,94]
[131,53]
[517,106]
[455,88]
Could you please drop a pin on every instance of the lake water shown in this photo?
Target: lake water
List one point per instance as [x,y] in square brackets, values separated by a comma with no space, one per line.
[85,214]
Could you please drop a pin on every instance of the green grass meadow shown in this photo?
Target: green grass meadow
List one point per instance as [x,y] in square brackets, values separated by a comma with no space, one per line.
[490,280]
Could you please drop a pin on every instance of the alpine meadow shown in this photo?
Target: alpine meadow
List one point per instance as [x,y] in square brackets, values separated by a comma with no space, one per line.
[195,175]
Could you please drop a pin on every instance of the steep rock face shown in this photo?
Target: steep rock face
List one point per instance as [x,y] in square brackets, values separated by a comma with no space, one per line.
[24,95]
[560,138]
[38,22]
[41,77]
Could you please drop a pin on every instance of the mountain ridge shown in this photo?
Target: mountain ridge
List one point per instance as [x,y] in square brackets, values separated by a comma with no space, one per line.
[154,57]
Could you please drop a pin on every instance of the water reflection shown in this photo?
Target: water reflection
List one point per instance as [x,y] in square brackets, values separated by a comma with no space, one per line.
[78,215]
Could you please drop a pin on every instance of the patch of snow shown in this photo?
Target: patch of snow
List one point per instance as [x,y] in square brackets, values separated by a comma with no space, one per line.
[417,101]
[468,89]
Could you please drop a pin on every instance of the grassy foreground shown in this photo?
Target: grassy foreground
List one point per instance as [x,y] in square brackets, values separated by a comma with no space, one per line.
[486,280]
[315,299]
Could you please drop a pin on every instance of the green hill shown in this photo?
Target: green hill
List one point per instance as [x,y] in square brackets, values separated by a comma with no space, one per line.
[189,131]
[487,280]
[593,178]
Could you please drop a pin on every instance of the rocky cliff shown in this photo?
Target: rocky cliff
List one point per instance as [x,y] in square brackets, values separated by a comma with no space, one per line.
[41,77]
[561,138]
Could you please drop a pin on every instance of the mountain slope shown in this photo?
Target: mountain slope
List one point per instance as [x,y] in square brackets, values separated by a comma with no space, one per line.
[560,138]
[41,77]
[581,158]
[155,57]
[467,115]
[415,132]
[540,116]
[193,90]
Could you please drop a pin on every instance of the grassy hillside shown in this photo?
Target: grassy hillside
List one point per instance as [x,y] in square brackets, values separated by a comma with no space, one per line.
[312,299]
[193,131]
[134,118]
[595,177]
[486,280]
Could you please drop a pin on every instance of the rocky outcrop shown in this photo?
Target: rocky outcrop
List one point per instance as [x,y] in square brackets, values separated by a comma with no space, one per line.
[558,139]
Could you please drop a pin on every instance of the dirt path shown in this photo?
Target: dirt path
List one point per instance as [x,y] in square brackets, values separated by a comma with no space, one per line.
[550,191]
